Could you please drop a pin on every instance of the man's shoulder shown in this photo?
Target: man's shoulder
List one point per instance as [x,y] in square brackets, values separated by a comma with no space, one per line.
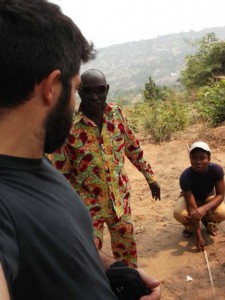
[214,165]
[113,108]
[186,175]
[187,172]
[215,168]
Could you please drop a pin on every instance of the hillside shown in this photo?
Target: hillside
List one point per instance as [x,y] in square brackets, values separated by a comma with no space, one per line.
[127,66]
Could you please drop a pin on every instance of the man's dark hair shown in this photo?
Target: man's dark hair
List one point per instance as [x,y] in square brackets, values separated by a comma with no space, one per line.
[35,39]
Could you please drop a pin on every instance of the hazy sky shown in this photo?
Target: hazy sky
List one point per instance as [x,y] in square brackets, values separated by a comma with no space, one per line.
[108,22]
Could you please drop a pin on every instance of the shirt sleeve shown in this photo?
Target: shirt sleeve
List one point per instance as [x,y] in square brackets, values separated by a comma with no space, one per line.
[185,180]
[185,183]
[9,249]
[219,173]
[134,152]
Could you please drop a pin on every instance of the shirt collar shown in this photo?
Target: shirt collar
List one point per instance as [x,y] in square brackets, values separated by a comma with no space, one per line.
[80,117]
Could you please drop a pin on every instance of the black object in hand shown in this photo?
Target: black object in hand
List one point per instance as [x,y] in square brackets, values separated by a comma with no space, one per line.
[127,283]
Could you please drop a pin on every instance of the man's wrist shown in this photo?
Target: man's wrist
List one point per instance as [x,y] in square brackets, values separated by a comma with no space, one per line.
[150,178]
[207,208]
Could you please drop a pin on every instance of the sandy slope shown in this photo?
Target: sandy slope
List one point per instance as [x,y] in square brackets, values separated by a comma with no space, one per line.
[162,250]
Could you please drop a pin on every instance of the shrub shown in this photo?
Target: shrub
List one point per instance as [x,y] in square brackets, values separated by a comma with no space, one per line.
[166,118]
[136,114]
[210,103]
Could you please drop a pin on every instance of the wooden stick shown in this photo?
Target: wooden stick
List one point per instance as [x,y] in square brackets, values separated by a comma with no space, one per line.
[210,275]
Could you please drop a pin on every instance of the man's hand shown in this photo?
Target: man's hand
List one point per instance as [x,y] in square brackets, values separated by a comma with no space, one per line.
[197,214]
[152,284]
[200,244]
[155,189]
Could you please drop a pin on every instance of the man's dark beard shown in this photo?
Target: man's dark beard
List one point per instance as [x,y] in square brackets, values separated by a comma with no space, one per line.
[59,121]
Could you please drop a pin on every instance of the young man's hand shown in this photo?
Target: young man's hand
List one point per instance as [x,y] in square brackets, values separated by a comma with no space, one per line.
[200,244]
[197,214]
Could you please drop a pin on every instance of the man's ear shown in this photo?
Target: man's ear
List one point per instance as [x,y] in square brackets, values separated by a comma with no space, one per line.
[51,87]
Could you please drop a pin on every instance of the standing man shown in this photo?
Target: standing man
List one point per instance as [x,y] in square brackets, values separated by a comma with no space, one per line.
[202,195]
[93,161]
[47,248]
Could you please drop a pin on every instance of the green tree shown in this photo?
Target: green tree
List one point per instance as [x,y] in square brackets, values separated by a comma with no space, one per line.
[208,62]
[151,90]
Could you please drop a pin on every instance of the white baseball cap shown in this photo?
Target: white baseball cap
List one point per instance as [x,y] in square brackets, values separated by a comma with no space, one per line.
[201,145]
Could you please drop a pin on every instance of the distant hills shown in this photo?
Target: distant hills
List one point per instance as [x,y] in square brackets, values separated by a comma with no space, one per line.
[128,66]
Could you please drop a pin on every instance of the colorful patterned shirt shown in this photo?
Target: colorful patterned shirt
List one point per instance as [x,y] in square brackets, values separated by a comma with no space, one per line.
[93,161]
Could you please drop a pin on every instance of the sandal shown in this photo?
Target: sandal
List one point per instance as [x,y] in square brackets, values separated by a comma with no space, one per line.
[186,233]
[212,228]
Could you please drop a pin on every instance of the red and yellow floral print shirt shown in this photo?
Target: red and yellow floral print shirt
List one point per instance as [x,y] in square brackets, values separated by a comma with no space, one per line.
[93,161]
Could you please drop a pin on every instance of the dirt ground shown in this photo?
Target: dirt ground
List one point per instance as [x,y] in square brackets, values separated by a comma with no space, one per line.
[162,251]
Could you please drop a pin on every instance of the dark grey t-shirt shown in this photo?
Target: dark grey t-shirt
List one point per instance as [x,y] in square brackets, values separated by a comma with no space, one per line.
[201,184]
[46,238]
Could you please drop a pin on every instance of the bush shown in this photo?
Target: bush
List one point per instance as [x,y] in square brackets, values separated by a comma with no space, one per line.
[136,114]
[210,103]
[166,118]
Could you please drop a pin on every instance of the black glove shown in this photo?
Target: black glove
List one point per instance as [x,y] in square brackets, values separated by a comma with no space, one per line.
[155,189]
